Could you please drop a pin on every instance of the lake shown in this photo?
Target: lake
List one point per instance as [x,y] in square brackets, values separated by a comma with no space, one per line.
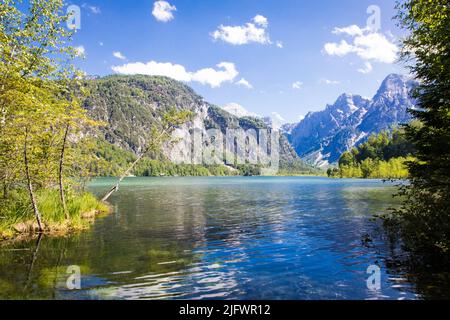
[219,238]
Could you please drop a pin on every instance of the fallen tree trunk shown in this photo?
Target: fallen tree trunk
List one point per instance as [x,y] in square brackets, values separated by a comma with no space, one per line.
[130,168]
[126,174]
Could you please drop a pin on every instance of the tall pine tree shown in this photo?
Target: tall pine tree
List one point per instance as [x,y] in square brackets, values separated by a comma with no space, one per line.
[425,215]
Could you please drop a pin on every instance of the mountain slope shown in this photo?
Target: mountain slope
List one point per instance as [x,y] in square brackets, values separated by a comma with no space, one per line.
[131,105]
[322,137]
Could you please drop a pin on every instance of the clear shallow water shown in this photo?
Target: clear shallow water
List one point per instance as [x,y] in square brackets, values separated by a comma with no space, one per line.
[218,238]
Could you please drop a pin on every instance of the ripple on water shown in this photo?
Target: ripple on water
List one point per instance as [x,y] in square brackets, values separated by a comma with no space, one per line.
[219,238]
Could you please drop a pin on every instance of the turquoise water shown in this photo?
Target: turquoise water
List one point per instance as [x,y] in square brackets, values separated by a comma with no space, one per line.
[219,238]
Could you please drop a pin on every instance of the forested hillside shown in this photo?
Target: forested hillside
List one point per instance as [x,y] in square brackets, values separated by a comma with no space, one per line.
[384,155]
[130,106]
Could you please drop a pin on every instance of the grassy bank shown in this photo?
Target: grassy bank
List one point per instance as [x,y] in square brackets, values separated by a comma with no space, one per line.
[17,219]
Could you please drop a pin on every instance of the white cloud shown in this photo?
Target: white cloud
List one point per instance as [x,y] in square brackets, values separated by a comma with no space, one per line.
[162,11]
[339,49]
[367,68]
[100,44]
[330,82]
[352,30]
[297,85]
[238,110]
[254,31]
[376,47]
[261,21]
[244,83]
[153,68]
[280,44]
[119,55]
[225,72]
[80,51]
[368,45]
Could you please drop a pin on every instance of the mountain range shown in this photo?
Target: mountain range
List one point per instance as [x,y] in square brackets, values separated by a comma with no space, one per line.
[130,106]
[321,137]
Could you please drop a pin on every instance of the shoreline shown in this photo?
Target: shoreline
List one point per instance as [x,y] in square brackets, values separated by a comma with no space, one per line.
[28,230]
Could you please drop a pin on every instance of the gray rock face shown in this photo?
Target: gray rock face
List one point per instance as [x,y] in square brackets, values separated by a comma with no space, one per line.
[130,106]
[323,136]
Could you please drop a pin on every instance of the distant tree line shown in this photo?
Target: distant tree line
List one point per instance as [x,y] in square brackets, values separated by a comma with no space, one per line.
[383,155]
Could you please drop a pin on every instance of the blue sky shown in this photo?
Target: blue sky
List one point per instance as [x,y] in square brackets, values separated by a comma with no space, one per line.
[283,56]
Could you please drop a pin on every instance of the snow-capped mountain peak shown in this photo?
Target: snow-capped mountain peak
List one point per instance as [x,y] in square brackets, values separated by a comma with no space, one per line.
[323,136]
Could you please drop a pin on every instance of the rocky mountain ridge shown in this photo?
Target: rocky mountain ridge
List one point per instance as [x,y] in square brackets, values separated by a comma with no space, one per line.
[321,137]
[131,105]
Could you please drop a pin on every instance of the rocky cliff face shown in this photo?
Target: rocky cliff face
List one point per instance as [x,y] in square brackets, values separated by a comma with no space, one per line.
[131,105]
[323,136]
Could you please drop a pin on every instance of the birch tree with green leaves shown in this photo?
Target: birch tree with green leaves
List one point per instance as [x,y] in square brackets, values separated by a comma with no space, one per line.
[38,107]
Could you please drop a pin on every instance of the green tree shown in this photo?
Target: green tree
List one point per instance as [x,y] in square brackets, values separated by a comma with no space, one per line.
[347,159]
[382,156]
[425,215]
[367,166]
[38,109]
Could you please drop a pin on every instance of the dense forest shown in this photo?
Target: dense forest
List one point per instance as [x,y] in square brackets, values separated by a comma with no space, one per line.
[110,161]
[382,156]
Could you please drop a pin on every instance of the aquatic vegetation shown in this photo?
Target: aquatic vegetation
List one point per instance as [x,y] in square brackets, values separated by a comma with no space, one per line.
[16,216]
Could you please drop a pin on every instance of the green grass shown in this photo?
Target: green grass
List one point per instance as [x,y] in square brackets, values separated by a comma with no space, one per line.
[16,211]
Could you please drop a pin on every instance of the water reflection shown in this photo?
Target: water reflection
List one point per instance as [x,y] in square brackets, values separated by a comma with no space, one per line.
[219,238]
